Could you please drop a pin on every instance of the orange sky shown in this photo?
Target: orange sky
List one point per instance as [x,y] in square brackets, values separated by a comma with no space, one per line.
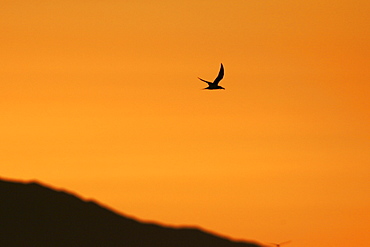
[102,98]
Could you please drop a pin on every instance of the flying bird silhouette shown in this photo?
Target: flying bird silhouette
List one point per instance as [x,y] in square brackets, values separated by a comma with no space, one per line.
[214,84]
[278,245]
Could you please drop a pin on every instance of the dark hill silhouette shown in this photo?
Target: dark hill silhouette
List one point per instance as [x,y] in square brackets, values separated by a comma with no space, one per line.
[34,215]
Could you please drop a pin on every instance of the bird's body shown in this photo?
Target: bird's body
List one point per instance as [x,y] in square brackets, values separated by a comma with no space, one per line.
[214,85]
[278,245]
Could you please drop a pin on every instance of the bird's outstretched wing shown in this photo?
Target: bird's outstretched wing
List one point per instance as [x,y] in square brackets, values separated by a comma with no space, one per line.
[220,75]
[278,245]
[205,81]
[286,242]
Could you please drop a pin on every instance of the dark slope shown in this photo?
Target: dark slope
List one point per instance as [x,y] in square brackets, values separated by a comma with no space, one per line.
[34,215]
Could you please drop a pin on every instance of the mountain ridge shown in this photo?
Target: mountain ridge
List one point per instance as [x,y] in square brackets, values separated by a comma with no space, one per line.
[34,214]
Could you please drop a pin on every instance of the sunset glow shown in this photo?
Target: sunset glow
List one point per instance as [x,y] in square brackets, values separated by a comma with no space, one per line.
[102,98]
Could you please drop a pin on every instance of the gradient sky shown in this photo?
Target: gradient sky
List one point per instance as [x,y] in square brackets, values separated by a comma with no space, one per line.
[102,98]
